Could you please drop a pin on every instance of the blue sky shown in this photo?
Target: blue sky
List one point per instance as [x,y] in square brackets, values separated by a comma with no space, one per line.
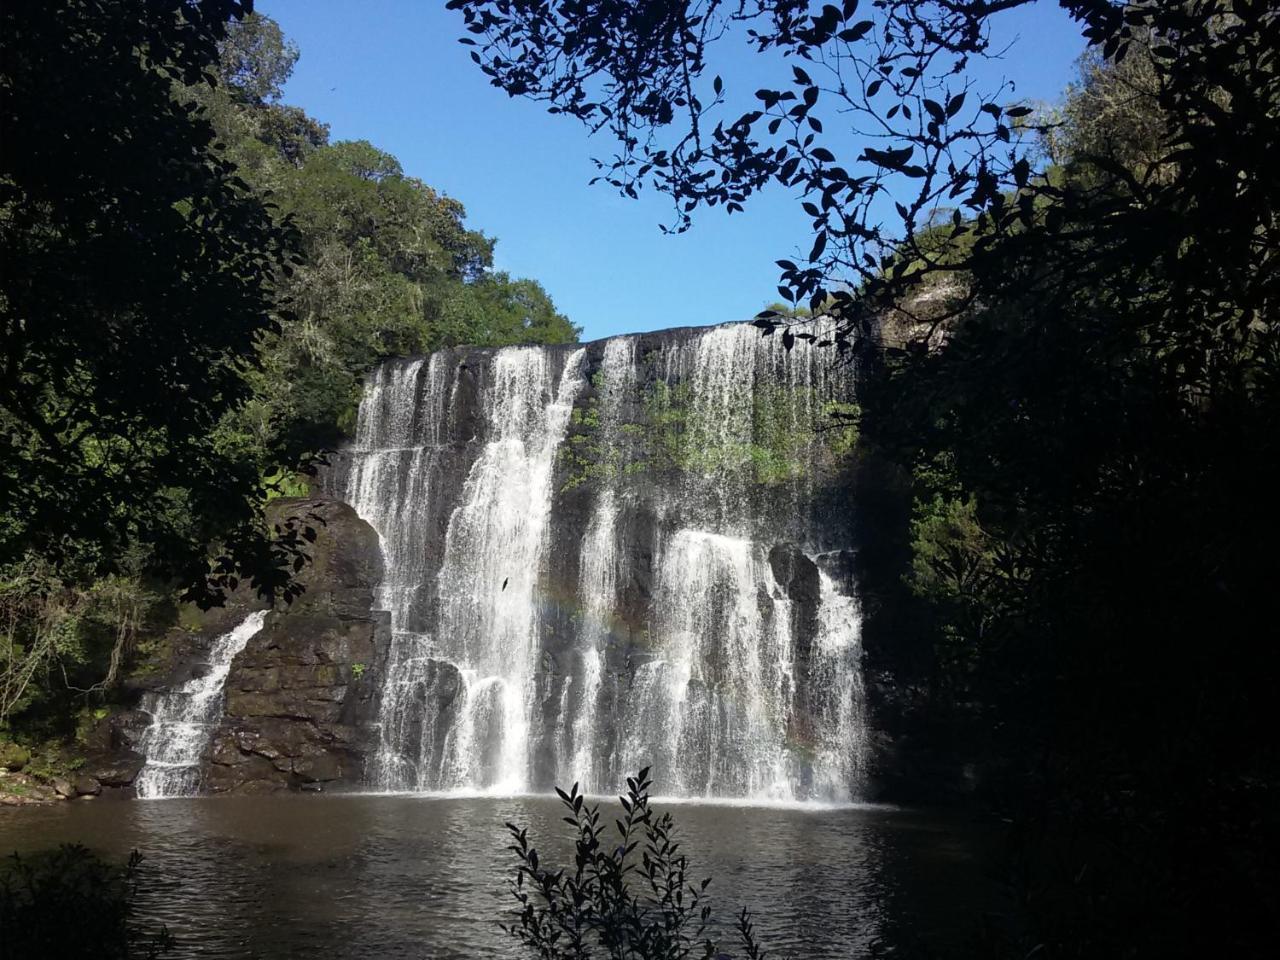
[392,72]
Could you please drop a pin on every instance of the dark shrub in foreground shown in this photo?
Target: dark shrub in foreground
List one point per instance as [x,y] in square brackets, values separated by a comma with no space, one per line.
[628,893]
[69,903]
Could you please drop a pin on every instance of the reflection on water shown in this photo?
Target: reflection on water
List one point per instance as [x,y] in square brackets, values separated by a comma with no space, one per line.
[390,877]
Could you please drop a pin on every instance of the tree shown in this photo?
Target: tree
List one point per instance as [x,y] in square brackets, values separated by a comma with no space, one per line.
[199,340]
[68,902]
[893,76]
[139,274]
[387,265]
[255,59]
[388,269]
[1080,362]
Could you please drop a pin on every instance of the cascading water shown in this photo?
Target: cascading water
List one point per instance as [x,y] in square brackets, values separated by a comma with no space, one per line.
[183,720]
[633,553]
[599,574]
[711,705]
[457,699]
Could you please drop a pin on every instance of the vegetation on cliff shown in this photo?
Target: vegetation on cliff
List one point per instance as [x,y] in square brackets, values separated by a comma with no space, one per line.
[794,434]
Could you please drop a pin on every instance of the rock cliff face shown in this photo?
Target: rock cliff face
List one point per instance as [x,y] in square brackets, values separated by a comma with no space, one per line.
[299,698]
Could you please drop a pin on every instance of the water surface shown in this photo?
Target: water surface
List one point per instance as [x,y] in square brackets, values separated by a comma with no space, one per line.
[420,877]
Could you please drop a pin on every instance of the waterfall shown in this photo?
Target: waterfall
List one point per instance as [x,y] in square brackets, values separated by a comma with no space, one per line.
[599,562]
[710,707]
[840,736]
[183,720]
[629,553]
[458,696]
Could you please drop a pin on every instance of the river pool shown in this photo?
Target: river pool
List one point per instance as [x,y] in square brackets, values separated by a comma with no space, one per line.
[423,877]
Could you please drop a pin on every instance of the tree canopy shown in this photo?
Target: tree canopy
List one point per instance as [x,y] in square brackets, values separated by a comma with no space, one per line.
[196,282]
[387,265]
[1068,320]
[139,272]
[878,110]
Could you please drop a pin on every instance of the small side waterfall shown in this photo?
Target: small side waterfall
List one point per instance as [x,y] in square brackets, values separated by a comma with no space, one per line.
[633,553]
[183,720]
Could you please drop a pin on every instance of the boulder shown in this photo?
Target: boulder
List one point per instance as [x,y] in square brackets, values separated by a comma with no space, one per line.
[20,789]
[86,786]
[322,767]
[116,770]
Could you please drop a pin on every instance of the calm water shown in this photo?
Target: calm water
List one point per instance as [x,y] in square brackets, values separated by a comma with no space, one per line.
[392,877]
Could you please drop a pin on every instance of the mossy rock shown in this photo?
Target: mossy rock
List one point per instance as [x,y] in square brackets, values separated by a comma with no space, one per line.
[13,756]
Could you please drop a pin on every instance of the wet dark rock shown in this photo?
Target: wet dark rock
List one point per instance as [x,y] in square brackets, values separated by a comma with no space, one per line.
[795,573]
[300,697]
[86,786]
[116,770]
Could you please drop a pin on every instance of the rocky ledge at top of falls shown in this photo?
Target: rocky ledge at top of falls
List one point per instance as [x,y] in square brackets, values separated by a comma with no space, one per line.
[300,697]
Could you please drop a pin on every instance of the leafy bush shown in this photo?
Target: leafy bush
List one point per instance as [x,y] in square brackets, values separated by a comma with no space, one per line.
[70,903]
[643,907]
[66,640]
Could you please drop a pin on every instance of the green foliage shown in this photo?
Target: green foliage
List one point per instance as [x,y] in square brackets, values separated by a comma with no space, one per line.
[1095,442]
[954,569]
[839,430]
[784,444]
[70,903]
[667,438]
[196,283]
[139,272]
[387,266]
[357,670]
[13,756]
[284,484]
[612,900]
[63,643]
[671,435]
[255,60]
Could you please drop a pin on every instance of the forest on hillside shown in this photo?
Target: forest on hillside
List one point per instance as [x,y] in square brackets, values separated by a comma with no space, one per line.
[197,350]
[1068,333]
